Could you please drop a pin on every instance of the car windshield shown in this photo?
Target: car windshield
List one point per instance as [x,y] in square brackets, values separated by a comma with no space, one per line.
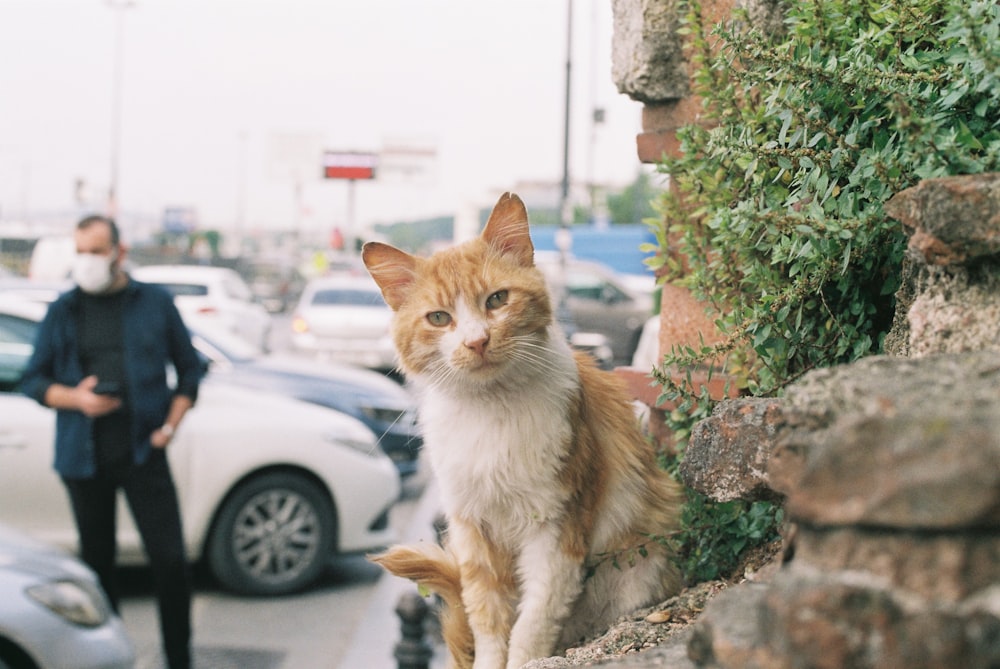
[225,343]
[16,343]
[183,289]
[348,296]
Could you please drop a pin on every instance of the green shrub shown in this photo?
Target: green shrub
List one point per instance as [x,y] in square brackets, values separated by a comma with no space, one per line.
[776,215]
[715,534]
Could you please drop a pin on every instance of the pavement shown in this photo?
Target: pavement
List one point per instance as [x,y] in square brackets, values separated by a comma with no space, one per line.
[378,629]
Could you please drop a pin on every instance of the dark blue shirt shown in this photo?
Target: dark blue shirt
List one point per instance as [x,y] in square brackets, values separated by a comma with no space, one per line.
[154,337]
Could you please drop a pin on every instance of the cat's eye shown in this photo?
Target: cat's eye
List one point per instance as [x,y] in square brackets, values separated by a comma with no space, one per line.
[439,318]
[496,300]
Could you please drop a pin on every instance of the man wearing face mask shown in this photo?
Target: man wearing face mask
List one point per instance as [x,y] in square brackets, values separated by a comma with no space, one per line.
[100,361]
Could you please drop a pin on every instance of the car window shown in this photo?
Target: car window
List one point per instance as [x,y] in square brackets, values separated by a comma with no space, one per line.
[17,337]
[349,297]
[236,289]
[184,289]
[588,285]
[219,343]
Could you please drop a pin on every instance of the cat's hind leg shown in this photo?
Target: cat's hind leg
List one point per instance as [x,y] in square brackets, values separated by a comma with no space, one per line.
[614,589]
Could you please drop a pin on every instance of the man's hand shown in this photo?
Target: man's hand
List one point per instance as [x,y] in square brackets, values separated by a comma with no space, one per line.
[90,403]
[161,437]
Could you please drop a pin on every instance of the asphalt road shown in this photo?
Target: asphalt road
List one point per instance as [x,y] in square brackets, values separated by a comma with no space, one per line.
[310,630]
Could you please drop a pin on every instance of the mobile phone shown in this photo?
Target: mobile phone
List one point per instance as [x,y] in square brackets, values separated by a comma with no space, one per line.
[108,388]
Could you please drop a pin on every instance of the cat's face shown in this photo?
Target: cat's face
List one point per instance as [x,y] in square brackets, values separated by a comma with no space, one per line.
[472,313]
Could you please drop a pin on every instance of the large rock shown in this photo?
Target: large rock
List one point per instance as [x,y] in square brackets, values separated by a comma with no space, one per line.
[891,468]
[893,442]
[955,310]
[727,454]
[807,618]
[647,54]
[951,220]
[949,301]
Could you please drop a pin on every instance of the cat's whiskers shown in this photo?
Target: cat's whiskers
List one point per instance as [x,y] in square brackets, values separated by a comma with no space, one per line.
[391,425]
[440,377]
[529,344]
[542,365]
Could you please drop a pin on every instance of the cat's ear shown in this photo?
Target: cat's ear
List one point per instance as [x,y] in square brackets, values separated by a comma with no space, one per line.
[507,230]
[393,270]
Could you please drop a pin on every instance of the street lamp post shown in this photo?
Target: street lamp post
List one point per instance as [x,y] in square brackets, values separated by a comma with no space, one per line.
[564,238]
[116,100]
[565,209]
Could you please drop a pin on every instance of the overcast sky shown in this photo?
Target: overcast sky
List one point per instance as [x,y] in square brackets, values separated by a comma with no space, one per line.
[222,98]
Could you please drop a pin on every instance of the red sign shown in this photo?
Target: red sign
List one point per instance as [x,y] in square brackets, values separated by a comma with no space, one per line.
[349,165]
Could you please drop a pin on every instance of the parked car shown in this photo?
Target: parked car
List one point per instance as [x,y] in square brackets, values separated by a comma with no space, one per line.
[52,258]
[599,301]
[270,487]
[36,290]
[219,293]
[53,613]
[374,399]
[276,284]
[345,319]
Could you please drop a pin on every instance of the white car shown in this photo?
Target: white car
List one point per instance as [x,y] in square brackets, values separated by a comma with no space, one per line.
[344,319]
[53,612]
[217,293]
[270,487]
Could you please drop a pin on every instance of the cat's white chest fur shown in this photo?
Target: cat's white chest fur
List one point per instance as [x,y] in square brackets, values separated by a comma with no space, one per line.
[498,458]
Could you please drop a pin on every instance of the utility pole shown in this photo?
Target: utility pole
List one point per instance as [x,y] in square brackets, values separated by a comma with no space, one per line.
[565,208]
[564,238]
[119,6]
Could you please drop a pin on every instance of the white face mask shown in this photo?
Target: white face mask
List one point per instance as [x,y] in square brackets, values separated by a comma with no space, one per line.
[92,272]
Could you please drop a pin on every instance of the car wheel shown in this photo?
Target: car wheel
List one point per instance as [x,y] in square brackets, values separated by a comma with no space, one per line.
[274,535]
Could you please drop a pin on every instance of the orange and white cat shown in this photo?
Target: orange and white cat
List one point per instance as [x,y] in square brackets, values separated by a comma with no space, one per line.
[551,493]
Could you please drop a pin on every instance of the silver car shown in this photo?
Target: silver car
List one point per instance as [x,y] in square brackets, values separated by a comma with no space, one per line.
[217,293]
[600,301]
[346,320]
[53,613]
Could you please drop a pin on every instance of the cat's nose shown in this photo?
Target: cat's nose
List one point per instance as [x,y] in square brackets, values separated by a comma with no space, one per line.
[478,344]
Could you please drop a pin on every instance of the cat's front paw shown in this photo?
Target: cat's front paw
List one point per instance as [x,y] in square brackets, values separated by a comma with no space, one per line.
[488,662]
[518,660]
[490,656]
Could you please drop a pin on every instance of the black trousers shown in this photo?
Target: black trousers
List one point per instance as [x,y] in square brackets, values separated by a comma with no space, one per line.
[152,499]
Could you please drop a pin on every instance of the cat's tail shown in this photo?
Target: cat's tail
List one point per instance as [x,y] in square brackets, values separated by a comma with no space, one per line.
[435,569]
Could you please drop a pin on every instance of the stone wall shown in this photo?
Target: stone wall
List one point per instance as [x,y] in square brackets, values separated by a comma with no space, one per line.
[890,468]
[889,471]
[649,65]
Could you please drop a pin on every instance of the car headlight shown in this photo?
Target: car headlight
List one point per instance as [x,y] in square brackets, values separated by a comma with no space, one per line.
[354,435]
[367,447]
[76,601]
[381,415]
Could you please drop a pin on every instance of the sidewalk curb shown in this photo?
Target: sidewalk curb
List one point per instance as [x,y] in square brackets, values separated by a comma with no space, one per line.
[378,629]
